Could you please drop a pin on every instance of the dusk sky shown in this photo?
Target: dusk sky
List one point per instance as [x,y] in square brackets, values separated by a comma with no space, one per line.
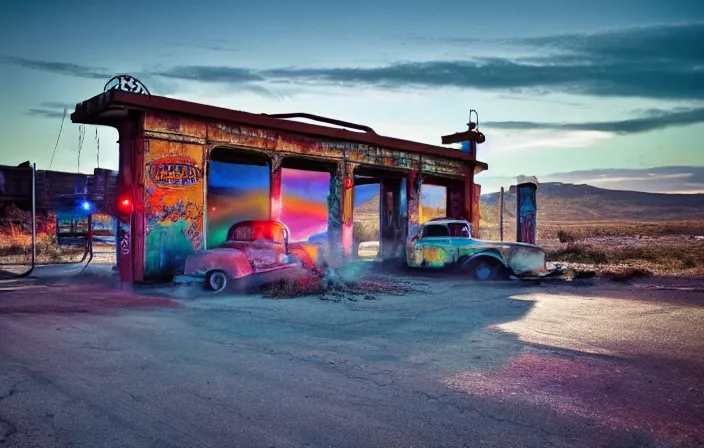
[609,93]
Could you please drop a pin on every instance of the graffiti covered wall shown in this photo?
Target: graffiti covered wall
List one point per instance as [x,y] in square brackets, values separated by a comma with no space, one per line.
[175,188]
[173,203]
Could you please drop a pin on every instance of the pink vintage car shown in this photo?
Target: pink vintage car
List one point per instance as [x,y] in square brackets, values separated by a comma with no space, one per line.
[254,253]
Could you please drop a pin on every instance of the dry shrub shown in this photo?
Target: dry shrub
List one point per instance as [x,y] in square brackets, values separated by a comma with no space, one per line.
[584,230]
[626,274]
[576,253]
[18,249]
[365,231]
[565,236]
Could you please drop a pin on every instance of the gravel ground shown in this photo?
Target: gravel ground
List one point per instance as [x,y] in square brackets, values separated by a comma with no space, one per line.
[448,363]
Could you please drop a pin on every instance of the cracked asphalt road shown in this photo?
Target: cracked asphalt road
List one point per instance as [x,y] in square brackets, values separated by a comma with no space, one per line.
[453,364]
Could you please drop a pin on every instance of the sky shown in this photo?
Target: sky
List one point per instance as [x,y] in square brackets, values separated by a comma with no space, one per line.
[609,93]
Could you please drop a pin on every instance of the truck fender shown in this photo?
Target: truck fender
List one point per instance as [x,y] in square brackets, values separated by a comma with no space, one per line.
[237,265]
[487,253]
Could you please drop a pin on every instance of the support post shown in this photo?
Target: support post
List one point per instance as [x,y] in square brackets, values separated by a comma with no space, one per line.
[467,194]
[348,210]
[335,216]
[413,187]
[476,211]
[275,192]
[125,191]
[501,214]
[34,215]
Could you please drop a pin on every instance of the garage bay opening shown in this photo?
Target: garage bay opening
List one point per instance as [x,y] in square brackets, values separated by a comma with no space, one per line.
[304,199]
[238,190]
[433,202]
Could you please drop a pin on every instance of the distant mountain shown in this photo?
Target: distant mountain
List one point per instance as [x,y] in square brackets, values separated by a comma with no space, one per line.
[368,210]
[561,202]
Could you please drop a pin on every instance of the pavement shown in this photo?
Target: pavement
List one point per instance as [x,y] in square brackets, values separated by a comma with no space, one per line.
[439,361]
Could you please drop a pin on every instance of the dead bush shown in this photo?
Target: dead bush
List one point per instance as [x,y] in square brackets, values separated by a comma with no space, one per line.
[565,236]
[626,274]
[576,253]
[365,231]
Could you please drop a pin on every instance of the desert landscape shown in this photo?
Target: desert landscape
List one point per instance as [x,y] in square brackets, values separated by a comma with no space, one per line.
[614,233]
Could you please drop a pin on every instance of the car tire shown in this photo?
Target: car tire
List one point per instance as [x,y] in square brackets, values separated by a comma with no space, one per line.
[216,281]
[485,269]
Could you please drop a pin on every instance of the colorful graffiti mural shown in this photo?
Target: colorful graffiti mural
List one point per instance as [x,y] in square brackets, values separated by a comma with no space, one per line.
[236,192]
[159,125]
[526,205]
[173,204]
[304,207]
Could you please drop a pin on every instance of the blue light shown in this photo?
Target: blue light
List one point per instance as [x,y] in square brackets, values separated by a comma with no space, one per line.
[85,205]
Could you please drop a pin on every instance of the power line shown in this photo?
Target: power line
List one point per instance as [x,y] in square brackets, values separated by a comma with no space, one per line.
[57,139]
[97,152]
[81,138]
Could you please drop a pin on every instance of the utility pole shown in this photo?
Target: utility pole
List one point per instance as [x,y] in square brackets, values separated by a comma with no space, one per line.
[501,214]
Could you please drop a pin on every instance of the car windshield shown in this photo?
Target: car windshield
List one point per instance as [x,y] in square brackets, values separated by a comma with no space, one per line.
[435,230]
[256,232]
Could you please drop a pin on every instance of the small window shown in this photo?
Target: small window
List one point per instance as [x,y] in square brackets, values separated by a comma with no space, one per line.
[435,230]
[459,230]
[243,233]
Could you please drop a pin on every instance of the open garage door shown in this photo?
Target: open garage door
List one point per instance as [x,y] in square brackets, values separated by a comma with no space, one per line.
[433,202]
[238,190]
[304,203]
[366,217]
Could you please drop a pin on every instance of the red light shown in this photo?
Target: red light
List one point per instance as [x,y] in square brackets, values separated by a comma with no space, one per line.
[348,183]
[125,206]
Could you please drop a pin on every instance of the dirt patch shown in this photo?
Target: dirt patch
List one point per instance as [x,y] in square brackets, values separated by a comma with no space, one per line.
[335,289]
[83,298]
[617,394]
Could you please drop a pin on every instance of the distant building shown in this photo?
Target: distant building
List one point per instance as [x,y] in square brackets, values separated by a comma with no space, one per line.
[56,190]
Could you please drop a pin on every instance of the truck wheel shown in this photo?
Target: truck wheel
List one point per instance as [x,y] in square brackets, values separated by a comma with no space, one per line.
[216,281]
[485,268]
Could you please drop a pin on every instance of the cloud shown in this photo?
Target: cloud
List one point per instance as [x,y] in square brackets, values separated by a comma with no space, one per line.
[240,79]
[51,109]
[657,62]
[663,43]
[540,139]
[663,62]
[61,68]
[201,73]
[664,179]
[652,119]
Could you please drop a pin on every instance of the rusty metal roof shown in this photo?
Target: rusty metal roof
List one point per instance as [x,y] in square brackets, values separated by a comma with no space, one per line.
[92,111]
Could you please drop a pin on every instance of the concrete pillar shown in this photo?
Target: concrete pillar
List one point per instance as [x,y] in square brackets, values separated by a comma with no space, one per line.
[275,188]
[348,210]
[335,215]
[476,214]
[467,195]
[454,204]
[413,186]
[126,237]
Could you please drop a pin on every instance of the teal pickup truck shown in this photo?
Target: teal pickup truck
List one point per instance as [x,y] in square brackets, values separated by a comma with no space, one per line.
[448,243]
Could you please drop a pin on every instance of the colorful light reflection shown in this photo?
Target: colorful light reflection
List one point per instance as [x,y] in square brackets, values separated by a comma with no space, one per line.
[304,203]
[236,192]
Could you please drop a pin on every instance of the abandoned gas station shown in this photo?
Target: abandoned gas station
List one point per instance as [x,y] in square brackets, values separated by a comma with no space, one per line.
[166,146]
